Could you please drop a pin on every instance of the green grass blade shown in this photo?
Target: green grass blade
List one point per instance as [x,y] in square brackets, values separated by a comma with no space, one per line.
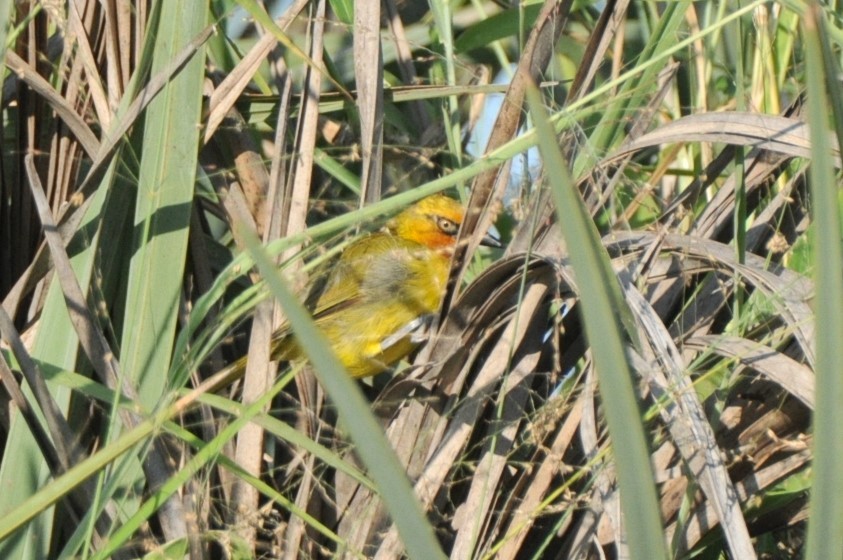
[44,498]
[825,526]
[200,459]
[602,304]
[631,91]
[162,214]
[445,67]
[5,12]
[56,348]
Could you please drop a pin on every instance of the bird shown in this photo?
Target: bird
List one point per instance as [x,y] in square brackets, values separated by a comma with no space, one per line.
[384,287]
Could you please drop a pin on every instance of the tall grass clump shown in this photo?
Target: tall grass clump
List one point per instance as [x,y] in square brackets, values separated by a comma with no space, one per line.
[646,369]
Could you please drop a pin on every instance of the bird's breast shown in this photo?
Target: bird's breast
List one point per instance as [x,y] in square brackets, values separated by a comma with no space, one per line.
[413,278]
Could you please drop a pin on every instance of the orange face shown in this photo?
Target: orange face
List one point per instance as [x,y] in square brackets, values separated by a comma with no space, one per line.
[433,222]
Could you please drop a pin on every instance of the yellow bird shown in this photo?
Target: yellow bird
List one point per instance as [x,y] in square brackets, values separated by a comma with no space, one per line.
[383,286]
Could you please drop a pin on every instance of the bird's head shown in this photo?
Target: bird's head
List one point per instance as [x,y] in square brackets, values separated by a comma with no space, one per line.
[433,222]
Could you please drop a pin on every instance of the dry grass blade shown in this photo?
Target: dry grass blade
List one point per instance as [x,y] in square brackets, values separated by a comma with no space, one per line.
[66,111]
[601,493]
[227,93]
[79,34]
[683,413]
[699,522]
[91,337]
[519,336]
[488,187]
[789,292]
[641,121]
[93,342]
[405,61]
[719,213]
[72,214]
[540,484]
[368,71]
[784,135]
[307,129]
[512,440]
[57,456]
[516,372]
[769,232]
[65,453]
[249,452]
[302,173]
[611,19]
[795,378]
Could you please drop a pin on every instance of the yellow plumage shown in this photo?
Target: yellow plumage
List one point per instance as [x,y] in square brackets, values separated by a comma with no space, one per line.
[380,287]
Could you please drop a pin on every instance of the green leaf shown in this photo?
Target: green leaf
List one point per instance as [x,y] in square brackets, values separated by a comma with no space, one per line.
[603,311]
[56,348]
[344,10]
[499,26]
[5,12]
[162,214]
[825,525]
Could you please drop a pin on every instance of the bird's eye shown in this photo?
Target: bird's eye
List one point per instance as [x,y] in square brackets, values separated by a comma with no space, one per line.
[447,226]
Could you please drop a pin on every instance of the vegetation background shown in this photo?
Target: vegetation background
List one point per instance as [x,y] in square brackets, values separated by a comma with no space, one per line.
[649,369]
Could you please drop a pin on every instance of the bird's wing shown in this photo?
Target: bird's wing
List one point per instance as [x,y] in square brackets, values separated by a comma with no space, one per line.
[350,278]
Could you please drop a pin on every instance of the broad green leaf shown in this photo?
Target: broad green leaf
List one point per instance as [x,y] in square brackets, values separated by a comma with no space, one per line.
[162,212]
[825,525]
[56,348]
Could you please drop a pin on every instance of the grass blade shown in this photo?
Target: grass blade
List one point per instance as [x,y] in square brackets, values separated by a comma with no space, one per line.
[162,215]
[603,304]
[825,528]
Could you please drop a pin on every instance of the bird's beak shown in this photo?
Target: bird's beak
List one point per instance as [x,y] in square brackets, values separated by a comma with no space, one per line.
[492,238]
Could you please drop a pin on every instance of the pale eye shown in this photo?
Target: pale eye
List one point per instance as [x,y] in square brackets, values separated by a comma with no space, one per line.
[447,226]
